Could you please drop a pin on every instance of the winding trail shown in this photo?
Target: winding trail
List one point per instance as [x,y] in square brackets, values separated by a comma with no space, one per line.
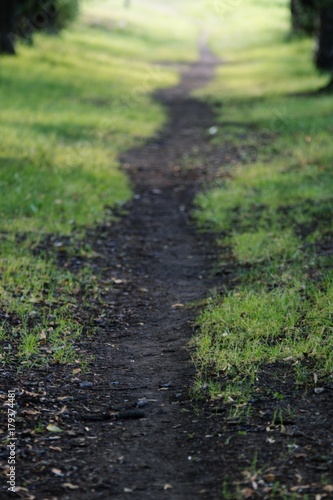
[163,266]
[131,430]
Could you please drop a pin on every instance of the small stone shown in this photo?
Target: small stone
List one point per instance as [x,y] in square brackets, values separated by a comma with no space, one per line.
[85,385]
[142,403]
[212,130]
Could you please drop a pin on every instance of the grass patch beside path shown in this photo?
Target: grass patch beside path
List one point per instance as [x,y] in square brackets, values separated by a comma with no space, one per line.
[272,211]
[69,106]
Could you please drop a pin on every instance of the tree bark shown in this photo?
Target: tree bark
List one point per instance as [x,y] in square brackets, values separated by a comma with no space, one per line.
[324,45]
[7,26]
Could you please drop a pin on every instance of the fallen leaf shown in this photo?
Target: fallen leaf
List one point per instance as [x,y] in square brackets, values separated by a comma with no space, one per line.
[55,448]
[32,394]
[176,306]
[300,487]
[53,428]
[254,485]
[42,336]
[328,488]
[167,486]
[75,371]
[63,410]
[117,281]
[30,412]
[57,472]
[70,486]
[270,478]
[299,478]
[247,492]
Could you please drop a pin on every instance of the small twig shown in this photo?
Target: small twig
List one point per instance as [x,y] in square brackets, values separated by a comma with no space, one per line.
[120,415]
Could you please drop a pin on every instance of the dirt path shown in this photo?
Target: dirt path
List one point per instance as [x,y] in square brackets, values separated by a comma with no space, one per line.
[163,267]
[152,264]
[130,429]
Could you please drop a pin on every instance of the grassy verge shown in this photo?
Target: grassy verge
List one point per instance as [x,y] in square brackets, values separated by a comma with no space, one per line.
[69,106]
[271,210]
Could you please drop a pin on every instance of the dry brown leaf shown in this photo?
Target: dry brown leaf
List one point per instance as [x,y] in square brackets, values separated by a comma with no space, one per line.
[42,336]
[70,486]
[299,478]
[32,394]
[247,492]
[270,478]
[63,410]
[30,412]
[300,487]
[328,488]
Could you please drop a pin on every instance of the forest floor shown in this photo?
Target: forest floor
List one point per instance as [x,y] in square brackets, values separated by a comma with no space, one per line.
[129,425]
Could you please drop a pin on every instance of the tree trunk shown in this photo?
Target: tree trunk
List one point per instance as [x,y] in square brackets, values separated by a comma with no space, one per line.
[303,16]
[324,45]
[7,26]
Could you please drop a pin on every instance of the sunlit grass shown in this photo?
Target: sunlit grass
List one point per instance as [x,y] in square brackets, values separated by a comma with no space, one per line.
[247,329]
[261,245]
[70,105]
[71,109]
[272,209]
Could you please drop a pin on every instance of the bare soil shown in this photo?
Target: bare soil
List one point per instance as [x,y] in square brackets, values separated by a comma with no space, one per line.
[130,427]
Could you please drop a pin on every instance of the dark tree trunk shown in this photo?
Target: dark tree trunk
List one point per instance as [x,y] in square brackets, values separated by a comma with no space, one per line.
[324,45]
[7,26]
[303,16]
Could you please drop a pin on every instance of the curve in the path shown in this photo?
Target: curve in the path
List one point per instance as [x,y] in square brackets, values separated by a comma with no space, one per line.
[164,266]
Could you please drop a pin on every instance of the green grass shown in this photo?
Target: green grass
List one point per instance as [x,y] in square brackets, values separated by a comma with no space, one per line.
[271,211]
[70,105]
[248,329]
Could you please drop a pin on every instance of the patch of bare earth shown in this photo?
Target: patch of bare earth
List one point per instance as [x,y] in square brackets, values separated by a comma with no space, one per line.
[130,429]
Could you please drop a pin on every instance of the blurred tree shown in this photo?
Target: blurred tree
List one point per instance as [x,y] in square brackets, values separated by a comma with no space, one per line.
[324,41]
[303,16]
[7,25]
[22,18]
[315,17]
[47,15]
